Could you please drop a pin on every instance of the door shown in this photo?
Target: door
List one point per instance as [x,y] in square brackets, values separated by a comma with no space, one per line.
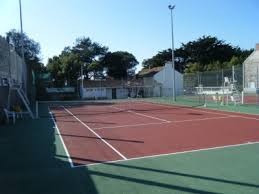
[114,93]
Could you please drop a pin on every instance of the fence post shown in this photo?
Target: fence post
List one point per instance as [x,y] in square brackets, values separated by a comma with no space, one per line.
[243,68]
[222,77]
[37,109]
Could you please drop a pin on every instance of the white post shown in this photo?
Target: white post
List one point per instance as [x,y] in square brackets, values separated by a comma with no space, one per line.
[242,97]
[82,82]
[257,86]
[233,74]
[205,101]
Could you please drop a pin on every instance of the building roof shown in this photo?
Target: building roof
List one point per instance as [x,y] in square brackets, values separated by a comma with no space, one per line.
[150,72]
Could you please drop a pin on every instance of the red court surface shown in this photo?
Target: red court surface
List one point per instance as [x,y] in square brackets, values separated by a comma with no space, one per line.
[95,134]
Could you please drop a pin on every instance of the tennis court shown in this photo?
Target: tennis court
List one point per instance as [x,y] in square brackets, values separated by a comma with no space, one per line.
[109,132]
[130,146]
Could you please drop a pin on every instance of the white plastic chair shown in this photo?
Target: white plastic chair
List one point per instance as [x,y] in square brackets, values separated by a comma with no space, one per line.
[9,114]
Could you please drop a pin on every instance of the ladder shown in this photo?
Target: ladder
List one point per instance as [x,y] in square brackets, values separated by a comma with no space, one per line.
[22,95]
[236,96]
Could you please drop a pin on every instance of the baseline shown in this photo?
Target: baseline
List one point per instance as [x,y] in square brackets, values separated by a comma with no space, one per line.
[170,154]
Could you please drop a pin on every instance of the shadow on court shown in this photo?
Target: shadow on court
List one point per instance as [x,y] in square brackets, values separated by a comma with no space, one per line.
[138,173]
[105,138]
[33,161]
[29,162]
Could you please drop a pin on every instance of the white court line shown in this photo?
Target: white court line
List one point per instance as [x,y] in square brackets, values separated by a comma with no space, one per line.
[169,154]
[205,111]
[203,119]
[185,107]
[179,121]
[144,115]
[133,125]
[96,134]
[61,139]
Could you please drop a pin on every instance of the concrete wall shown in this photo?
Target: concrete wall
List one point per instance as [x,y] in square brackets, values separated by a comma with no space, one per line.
[106,93]
[251,69]
[94,93]
[122,93]
[3,96]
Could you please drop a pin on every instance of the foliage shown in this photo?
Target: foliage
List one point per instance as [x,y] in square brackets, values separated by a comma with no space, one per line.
[30,47]
[85,53]
[120,64]
[94,59]
[205,53]
[164,56]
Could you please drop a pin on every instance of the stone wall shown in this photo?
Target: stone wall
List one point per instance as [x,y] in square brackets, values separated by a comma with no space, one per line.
[251,69]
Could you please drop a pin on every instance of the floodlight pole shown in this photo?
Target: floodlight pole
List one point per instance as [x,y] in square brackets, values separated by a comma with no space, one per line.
[22,49]
[20,5]
[82,80]
[171,7]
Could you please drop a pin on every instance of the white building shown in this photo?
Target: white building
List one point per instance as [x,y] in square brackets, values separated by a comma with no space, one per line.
[161,78]
[251,71]
[165,78]
[153,82]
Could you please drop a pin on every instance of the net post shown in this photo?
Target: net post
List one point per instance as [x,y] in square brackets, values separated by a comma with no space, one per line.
[242,97]
[205,102]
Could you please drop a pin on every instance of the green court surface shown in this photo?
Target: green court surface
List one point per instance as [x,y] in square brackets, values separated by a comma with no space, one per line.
[195,102]
[33,161]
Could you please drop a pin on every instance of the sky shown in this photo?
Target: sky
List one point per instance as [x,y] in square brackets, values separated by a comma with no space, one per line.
[141,27]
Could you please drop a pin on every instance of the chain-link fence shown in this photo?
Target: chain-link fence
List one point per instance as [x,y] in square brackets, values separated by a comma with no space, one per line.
[212,86]
[11,65]
[13,71]
[224,86]
[214,78]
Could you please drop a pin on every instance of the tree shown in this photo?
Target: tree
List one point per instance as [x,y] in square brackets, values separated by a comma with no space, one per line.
[164,56]
[159,59]
[32,59]
[120,64]
[205,53]
[55,68]
[207,50]
[30,47]
[85,53]
[89,54]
